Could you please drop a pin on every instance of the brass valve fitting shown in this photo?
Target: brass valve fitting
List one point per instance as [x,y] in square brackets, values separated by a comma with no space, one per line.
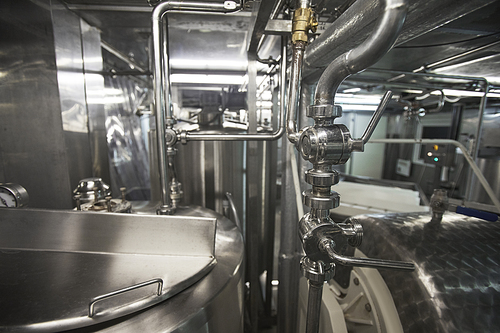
[303,21]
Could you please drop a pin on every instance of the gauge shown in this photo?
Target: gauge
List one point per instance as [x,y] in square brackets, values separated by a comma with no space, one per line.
[13,195]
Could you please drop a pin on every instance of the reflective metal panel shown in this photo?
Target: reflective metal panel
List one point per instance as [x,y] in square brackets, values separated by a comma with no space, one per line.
[128,155]
[95,99]
[53,263]
[71,83]
[32,145]
[455,287]
[214,304]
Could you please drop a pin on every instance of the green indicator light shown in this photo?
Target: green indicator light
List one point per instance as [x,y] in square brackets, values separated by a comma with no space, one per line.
[436,159]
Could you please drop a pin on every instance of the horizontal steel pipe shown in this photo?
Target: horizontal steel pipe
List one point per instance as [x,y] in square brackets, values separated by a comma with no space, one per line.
[193,136]
[161,76]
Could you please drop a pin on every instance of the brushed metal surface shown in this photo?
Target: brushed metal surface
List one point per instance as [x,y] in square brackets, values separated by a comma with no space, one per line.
[31,136]
[455,287]
[54,262]
[71,84]
[95,99]
[213,304]
[126,144]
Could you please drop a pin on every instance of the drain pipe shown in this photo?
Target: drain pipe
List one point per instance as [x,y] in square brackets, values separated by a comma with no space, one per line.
[303,20]
[165,134]
[366,54]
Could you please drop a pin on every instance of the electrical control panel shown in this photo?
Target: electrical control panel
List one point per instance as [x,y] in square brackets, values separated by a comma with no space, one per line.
[439,154]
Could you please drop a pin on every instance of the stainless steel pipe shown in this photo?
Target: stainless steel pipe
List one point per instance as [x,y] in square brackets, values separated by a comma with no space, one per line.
[295,76]
[161,75]
[365,55]
[314,306]
[189,136]
[356,23]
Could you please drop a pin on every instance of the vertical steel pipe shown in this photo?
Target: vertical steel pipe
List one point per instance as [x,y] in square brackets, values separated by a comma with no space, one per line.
[295,75]
[314,306]
[161,75]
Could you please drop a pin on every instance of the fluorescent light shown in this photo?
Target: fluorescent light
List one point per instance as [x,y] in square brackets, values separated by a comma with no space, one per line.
[357,99]
[208,79]
[351,90]
[234,65]
[464,93]
[413,91]
[358,107]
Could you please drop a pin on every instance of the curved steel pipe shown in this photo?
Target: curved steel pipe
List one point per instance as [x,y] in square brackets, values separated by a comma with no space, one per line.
[237,221]
[365,55]
[161,76]
[295,75]
[188,136]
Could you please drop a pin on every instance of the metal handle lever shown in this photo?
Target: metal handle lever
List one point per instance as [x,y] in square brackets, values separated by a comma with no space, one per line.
[358,144]
[94,300]
[364,262]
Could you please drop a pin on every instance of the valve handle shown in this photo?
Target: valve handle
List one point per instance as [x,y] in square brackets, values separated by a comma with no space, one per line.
[327,246]
[359,144]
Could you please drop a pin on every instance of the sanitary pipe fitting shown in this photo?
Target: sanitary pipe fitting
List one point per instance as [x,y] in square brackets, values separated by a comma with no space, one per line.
[317,271]
[313,230]
[439,204]
[326,145]
[324,178]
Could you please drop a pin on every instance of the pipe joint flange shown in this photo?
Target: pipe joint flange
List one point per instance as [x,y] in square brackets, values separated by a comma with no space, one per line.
[170,137]
[322,203]
[183,137]
[166,210]
[317,271]
[171,151]
[353,230]
[324,111]
[320,178]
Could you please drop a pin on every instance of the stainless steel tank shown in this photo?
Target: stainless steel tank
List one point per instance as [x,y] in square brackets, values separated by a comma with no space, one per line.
[455,287]
[59,281]
[209,169]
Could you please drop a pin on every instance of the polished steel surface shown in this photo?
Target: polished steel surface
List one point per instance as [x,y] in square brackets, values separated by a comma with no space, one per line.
[55,263]
[293,90]
[32,143]
[213,304]
[161,77]
[72,91]
[455,285]
[207,170]
[95,96]
[90,189]
[127,146]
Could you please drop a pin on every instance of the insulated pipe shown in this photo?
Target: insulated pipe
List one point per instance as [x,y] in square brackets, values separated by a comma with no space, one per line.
[161,76]
[457,144]
[189,136]
[365,55]
[356,23]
